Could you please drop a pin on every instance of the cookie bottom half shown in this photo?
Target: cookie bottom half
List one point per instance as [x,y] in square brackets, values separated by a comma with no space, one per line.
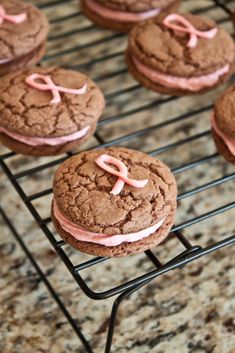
[222,148]
[123,249]
[44,150]
[25,61]
[121,26]
[157,87]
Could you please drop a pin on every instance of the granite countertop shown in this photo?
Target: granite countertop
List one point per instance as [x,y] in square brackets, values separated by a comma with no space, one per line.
[189,310]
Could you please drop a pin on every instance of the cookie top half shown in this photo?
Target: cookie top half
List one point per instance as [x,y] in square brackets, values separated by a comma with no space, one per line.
[166,50]
[82,191]
[224,112]
[30,112]
[18,39]
[136,5]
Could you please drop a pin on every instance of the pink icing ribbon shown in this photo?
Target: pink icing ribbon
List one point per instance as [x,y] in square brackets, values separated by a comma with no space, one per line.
[50,86]
[11,18]
[122,174]
[187,27]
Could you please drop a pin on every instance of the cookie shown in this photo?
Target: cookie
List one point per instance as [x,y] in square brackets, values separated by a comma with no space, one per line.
[23,33]
[123,15]
[183,54]
[223,124]
[232,17]
[113,201]
[47,111]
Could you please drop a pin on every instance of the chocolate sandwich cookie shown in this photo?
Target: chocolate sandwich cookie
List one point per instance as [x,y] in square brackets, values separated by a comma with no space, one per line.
[47,111]
[122,15]
[232,17]
[183,54]
[223,124]
[113,202]
[23,33]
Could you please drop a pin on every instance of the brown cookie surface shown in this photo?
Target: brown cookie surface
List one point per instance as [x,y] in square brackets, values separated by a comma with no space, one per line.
[29,112]
[225,112]
[18,41]
[224,120]
[127,6]
[82,193]
[136,6]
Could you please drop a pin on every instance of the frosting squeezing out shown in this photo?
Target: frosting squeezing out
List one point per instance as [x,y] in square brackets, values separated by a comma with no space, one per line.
[82,234]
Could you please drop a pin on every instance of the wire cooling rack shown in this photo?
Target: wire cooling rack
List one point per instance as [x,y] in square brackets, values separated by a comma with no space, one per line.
[108,51]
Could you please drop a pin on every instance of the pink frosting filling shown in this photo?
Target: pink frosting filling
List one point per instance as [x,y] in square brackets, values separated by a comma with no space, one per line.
[4,61]
[193,83]
[51,141]
[122,16]
[229,141]
[82,234]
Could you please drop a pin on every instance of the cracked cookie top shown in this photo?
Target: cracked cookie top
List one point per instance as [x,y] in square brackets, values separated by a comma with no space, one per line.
[225,112]
[29,112]
[166,51]
[136,5]
[82,191]
[20,39]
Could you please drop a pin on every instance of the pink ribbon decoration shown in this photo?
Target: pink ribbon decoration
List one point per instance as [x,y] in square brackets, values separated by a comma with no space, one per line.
[11,18]
[50,86]
[187,27]
[122,174]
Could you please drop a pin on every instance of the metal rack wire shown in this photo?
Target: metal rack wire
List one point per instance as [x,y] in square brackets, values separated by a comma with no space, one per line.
[191,251]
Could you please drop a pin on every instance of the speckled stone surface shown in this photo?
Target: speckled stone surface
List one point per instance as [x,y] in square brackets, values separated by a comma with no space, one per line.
[190,310]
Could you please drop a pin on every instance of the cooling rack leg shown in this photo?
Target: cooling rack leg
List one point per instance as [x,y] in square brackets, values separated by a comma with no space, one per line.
[112,322]
[114,313]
